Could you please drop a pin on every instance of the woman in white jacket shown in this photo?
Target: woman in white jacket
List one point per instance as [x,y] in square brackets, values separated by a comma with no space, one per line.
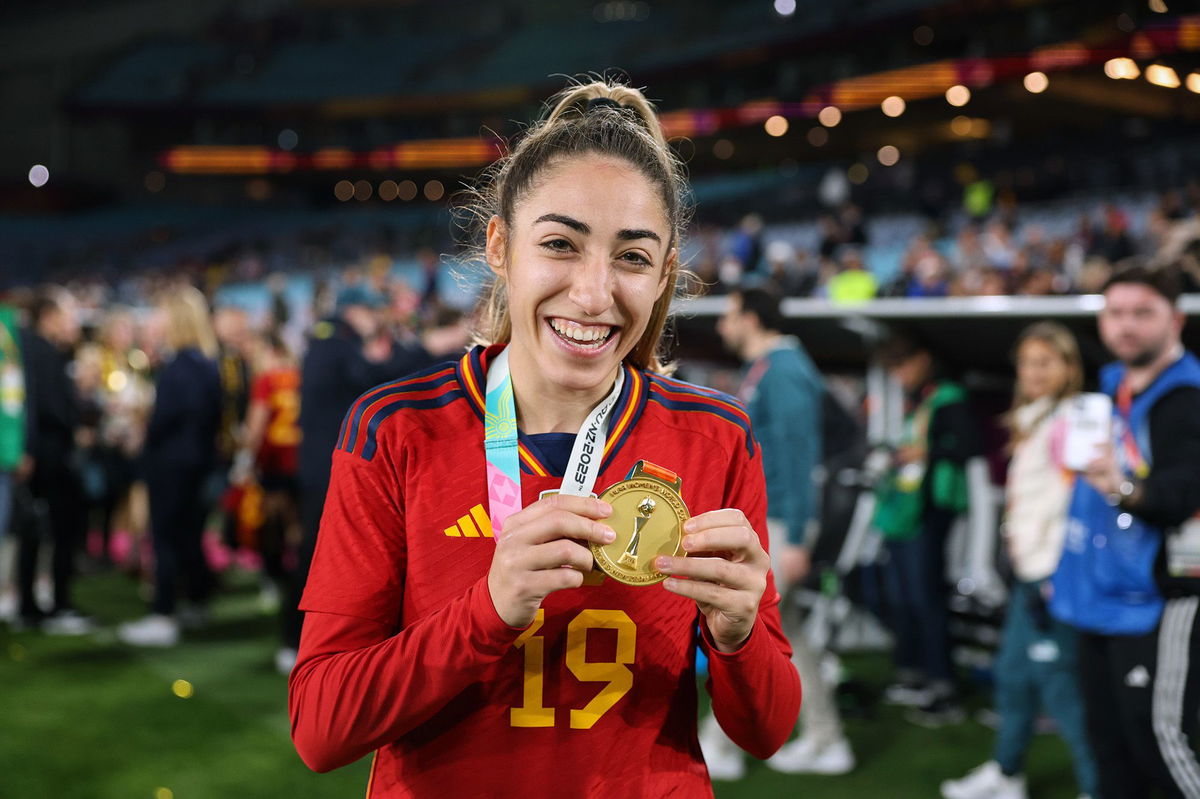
[1035,667]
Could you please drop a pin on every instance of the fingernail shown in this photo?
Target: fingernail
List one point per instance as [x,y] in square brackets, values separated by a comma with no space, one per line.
[608,534]
[689,525]
[605,508]
[689,543]
[670,583]
[662,564]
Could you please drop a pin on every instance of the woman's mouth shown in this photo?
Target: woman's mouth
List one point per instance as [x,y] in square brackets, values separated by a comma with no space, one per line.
[586,338]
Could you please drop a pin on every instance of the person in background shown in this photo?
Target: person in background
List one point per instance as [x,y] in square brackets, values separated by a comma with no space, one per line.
[231,325]
[270,444]
[345,357]
[1036,666]
[13,457]
[1129,578]
[917,502]
[178,456]
[783,393]
[54,483]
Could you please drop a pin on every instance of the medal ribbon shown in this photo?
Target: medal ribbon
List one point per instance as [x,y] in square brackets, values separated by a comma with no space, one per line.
[501,447]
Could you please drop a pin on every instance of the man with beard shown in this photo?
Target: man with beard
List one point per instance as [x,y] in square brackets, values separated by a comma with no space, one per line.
[1128,577]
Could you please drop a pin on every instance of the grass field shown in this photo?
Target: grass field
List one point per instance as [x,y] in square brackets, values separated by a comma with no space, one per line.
[89,718]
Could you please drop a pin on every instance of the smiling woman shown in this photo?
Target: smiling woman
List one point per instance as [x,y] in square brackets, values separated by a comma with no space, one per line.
[458,622]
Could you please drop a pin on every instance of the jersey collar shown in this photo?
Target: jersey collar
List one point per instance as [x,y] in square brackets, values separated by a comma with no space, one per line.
[472,374]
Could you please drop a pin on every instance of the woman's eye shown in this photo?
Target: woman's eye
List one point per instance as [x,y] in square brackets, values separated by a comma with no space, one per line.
[557,245]
[636,258]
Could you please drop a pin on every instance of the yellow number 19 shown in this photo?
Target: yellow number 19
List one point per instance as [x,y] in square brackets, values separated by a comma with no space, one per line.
[615,673]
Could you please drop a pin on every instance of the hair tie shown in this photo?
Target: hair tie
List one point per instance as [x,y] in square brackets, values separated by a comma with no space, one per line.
[603,102]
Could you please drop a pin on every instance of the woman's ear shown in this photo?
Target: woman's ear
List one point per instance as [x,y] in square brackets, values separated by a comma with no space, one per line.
[496,244]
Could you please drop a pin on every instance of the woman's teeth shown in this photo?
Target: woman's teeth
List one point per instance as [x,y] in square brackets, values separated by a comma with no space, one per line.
[591,335]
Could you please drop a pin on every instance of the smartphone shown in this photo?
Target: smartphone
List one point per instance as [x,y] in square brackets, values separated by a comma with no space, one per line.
[1089,426]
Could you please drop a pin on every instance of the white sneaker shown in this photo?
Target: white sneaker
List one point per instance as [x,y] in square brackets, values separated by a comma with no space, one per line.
[985,782]
[285,660]
[723,757]
[67,622]
[153,630]
[802,756]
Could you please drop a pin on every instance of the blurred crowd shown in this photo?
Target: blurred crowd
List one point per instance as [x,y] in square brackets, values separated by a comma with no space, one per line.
[128,428]
[1011,250]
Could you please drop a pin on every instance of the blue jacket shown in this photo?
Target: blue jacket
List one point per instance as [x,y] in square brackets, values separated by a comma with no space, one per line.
[785,411]
[182,434]
[1105,582]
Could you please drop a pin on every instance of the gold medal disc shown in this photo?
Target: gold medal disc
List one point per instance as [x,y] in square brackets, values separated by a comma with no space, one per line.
[648,516]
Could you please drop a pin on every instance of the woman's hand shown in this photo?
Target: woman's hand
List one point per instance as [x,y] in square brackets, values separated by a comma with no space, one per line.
[726,573]
[538,541]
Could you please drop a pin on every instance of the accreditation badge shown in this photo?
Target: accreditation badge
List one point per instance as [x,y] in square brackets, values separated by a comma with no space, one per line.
[648,516]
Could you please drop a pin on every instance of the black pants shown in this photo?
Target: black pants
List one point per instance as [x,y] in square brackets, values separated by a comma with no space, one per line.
[915,578]
[312,503]
[1141,694]
[53,510]
[177,516]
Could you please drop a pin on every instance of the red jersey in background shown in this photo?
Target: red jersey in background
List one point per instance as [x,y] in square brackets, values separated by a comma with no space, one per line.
[279,390]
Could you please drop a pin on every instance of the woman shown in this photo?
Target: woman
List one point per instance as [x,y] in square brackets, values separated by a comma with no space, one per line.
[471,640]
[177,457]
[1036,663]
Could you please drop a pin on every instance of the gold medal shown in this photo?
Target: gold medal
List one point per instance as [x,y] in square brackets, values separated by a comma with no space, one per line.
[648,516]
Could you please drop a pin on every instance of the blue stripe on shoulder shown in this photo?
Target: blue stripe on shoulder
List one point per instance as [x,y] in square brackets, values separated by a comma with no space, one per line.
[369,447]
[701,400]
[411,382]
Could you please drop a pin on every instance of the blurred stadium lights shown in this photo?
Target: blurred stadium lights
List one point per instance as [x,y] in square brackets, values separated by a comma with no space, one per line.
[434,190]
[857,174]
[621,11]
[888,155]
[958,95]
[953,79]
[1121,68]
[776,126]
[893,106]
[288,139]
[388,190]
[923,35]
[1193,82]
[785,8]
[1158,6]
[1036,82]
[1162,75]
[829,116]
[39,175]
[362,190]
[818,137]
[343,190]
[155,181]
[407,190]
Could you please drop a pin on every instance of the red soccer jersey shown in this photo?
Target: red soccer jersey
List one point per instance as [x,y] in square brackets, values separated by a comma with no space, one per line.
[404,653]
[279,390]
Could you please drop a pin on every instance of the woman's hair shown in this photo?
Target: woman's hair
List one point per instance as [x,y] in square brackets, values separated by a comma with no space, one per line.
[605,118]
[1063,343]
[188,321]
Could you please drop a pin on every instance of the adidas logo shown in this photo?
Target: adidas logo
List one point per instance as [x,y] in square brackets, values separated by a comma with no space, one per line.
[475,524]
[1137,677]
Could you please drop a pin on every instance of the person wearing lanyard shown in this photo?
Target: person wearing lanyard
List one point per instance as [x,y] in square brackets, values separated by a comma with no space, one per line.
[1128,574]
[457,621]
[783,392]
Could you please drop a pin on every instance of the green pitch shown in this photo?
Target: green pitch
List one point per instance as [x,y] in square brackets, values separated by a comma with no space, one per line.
[89,718]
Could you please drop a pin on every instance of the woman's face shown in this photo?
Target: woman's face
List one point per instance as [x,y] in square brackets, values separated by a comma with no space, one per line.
[1041,371]
[585,258]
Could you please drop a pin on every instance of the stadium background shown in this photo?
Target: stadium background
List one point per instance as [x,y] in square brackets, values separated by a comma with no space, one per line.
[233,141]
